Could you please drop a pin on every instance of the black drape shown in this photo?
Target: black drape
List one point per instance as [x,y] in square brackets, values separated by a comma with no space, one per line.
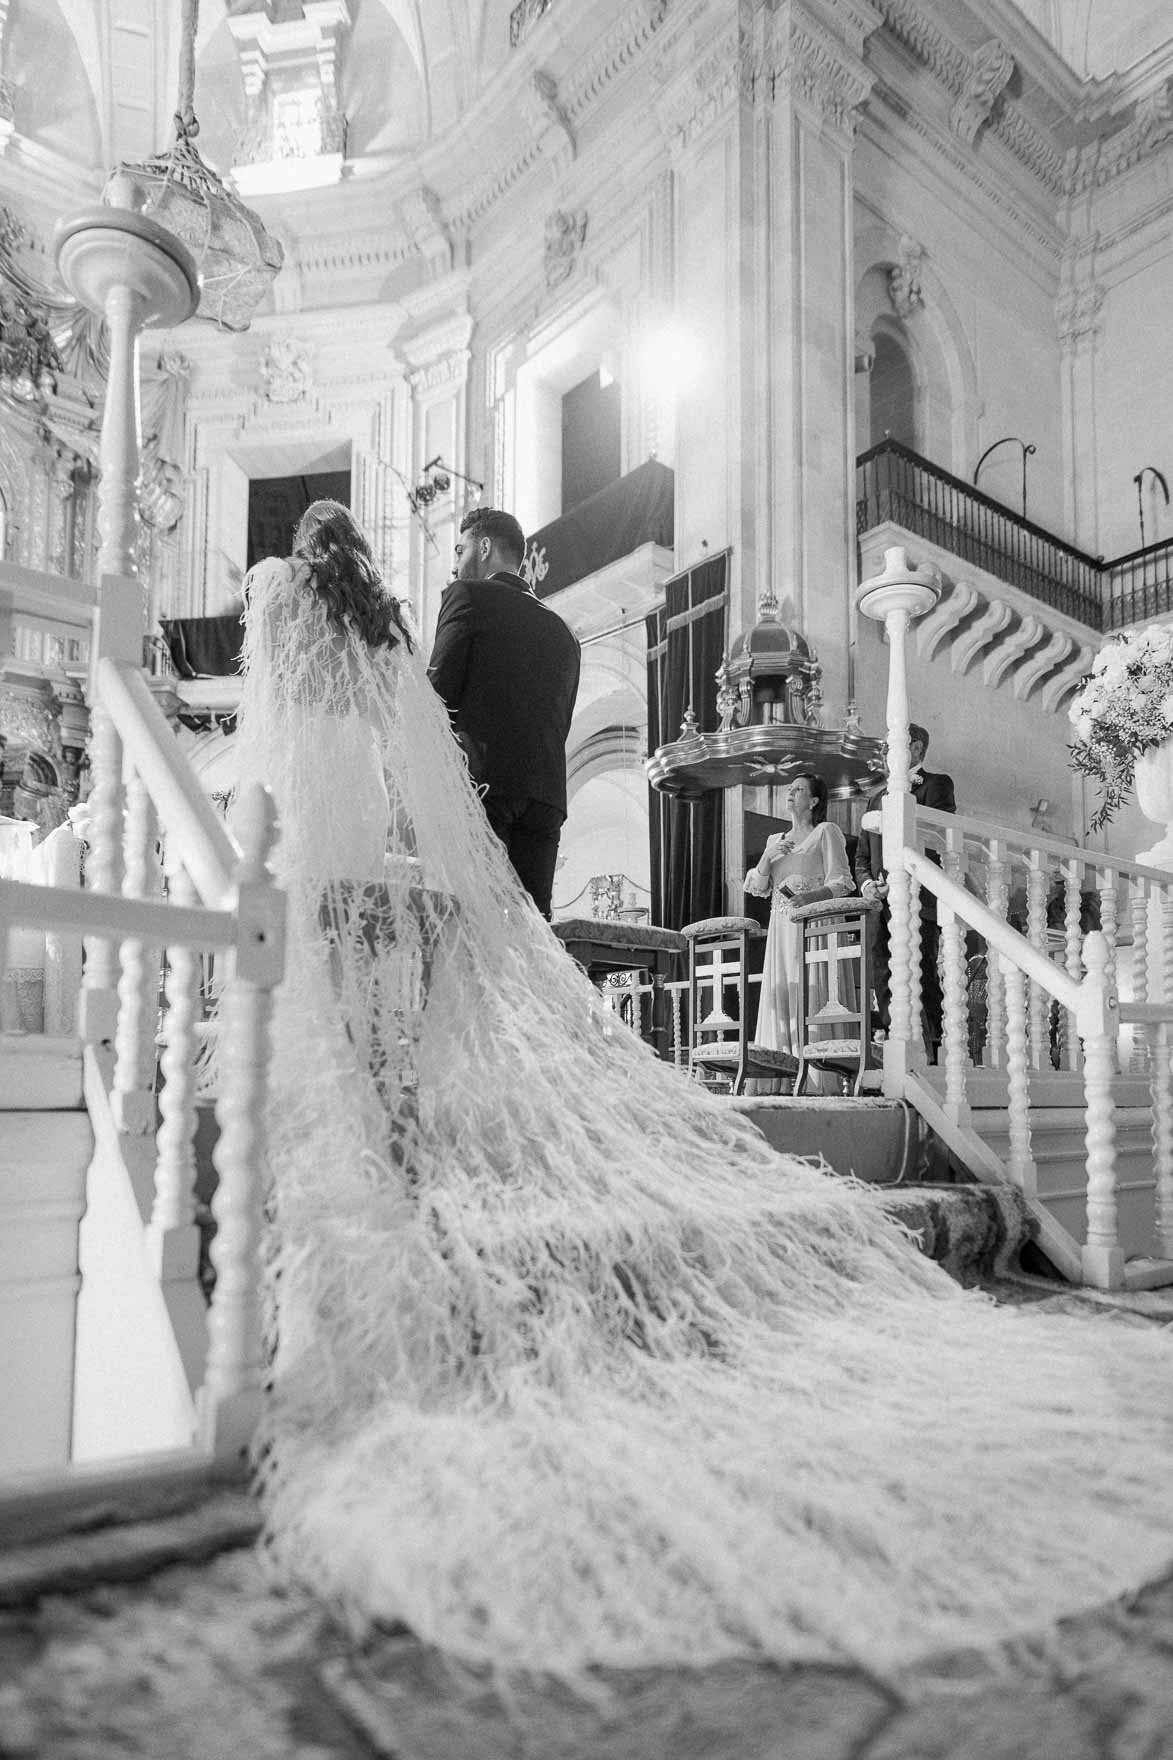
[686,644]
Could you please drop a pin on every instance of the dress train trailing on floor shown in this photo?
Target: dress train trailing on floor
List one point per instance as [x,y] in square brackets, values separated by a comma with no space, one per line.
[570,1367]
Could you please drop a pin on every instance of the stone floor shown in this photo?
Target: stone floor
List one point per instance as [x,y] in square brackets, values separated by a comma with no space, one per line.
[209,1661]
[109,1648]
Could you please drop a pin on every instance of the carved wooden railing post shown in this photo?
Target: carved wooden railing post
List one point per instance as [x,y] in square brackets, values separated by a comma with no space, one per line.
[1161,1075]
[1138,906]
[1036,934]
[98,1012]
[1021,1162]
[997,895]
[173,1239]
[1073,957]
[1103,1256]
[955,1017]
[133,1099]
[894,598]
[230,1398]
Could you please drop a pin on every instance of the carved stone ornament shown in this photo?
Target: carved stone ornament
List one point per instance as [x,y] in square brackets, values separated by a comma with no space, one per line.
[565,232]
[904,283]
[548,119]
[285,371]
[1078,314]
[989,72]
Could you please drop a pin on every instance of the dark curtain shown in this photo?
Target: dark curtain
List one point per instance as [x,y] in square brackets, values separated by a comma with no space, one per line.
[686,644]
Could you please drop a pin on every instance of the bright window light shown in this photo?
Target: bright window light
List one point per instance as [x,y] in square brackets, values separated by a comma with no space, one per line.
[671,358]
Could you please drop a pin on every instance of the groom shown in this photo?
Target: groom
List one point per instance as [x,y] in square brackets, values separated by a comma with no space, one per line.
[506,668]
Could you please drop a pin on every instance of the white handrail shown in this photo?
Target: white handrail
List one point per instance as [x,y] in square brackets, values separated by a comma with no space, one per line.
[1009,836]
[210,854]
[108,913]
[998,933]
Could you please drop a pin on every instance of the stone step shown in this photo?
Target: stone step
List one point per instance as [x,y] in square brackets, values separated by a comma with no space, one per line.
[39,1073]
[67,1531]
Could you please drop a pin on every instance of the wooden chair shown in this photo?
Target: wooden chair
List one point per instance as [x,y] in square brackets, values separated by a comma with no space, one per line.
[837,991]
[718,962]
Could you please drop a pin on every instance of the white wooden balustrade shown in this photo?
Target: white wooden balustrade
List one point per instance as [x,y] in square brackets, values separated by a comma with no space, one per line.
[1074,950]
[166,882]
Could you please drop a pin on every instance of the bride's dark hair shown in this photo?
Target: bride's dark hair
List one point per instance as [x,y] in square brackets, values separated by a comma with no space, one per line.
[346,575]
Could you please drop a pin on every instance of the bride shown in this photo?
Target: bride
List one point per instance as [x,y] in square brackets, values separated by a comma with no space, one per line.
[571,1368]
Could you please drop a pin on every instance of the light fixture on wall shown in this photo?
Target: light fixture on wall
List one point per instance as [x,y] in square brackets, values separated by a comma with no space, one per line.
[436,479]
[1008,440]
[1148,470]
[235,257]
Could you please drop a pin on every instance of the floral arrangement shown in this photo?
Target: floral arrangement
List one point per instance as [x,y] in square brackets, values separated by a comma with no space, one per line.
[1123,709]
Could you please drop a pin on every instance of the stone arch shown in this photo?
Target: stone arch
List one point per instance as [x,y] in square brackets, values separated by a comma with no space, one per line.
[948,403]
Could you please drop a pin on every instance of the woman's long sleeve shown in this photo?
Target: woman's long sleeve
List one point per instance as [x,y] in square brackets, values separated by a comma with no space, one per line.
[836,871]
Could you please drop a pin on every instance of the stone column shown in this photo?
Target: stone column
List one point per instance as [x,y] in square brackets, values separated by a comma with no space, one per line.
[1078,313]
[760,118]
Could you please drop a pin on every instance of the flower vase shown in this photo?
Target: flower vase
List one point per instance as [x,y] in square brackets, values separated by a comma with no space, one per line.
[1154,796]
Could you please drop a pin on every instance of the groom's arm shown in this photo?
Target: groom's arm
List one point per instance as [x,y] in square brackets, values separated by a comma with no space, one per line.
[451,647]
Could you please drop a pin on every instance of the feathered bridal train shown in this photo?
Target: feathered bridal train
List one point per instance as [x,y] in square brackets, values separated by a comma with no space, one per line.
[571,1368]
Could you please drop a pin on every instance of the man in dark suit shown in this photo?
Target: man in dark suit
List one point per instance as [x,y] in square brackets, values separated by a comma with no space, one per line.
[507,669]
[929,789]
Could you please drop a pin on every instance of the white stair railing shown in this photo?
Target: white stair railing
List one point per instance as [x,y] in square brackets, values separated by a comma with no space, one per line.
[1052,991]
[208,895]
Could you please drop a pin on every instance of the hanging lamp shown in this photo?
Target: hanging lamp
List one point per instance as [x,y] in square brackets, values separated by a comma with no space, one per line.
[236,258]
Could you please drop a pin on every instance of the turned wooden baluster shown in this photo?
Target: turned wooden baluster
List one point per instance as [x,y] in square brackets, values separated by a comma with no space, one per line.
[1106,887]
[175,1170]
[915,980]
[997,897]
[99,997]
[955,1015]
[133,1098]
[1138,906]
[1036,934]
[1072,957]
[229,1401]
[1161,1076]
[1021,1162]
[954,864]
[1103,1257]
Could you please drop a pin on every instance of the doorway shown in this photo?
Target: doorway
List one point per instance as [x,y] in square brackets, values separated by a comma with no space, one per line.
[275,504]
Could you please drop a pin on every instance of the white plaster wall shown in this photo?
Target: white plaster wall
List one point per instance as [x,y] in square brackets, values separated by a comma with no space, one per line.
[1134,392]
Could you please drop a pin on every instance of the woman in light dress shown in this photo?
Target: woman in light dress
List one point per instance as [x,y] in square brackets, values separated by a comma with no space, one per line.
[571,1369]
[804,865]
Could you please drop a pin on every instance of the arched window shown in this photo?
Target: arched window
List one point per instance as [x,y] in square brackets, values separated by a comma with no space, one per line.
[892,393]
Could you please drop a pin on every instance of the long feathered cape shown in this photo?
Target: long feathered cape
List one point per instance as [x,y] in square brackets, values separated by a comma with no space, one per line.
[570,1367]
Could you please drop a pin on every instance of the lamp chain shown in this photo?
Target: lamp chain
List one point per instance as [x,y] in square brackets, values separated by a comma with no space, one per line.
[186,126]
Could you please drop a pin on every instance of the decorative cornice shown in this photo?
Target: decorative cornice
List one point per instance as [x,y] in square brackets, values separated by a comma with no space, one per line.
[989,72]
[622,45]
[978,88]
[1097,163]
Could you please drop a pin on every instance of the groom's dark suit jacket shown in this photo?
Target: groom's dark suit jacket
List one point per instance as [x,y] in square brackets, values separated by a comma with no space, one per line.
[931,789]
[507,669]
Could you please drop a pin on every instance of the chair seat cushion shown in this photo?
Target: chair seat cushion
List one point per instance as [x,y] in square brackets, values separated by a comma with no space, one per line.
[714,926]
[820,1050]
[725,1054]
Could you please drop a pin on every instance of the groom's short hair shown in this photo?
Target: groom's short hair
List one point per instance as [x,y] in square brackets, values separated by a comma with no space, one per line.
[916,733]
[502,528]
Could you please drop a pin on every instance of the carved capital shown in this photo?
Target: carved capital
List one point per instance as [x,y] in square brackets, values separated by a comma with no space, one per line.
[987,76]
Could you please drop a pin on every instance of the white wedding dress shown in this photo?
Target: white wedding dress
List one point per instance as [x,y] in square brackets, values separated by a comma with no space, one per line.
[571,1368]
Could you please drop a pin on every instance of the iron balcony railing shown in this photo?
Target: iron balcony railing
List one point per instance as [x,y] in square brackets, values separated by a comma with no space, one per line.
[894,483]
